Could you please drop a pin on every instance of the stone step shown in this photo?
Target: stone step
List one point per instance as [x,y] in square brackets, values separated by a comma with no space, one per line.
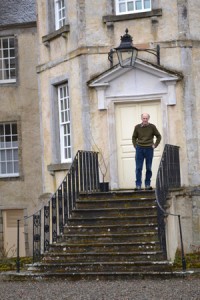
[104,247]
[103,256]
[114,212]
[71,276]
[121,194]
[120,220]
[109,237]
[114,203]
[125,228]
[120,266]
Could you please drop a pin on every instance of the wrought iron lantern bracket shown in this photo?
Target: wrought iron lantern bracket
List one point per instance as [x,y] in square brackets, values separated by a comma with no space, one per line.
[127,53]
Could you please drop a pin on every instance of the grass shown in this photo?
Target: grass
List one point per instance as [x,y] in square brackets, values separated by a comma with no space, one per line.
[192,260]
[9,264]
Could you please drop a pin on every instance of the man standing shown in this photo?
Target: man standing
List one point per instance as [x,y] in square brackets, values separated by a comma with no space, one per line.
[143,141]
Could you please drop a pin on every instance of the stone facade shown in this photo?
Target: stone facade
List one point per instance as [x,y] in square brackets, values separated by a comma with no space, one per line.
[76,54]
[19,194]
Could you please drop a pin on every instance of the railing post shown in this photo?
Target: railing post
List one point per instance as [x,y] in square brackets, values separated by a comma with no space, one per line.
[83,176]
[18,257]
[168,176]
[182,249]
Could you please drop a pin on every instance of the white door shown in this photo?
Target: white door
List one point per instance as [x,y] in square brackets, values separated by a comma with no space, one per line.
[127,116]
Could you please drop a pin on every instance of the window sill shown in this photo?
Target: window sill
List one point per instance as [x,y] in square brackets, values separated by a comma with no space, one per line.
[118,18]
[60,32]
[9,81]
[11,178]
[58,167]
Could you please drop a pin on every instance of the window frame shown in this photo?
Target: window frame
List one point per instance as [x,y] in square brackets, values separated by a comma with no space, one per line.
[60,21]
[64,123]
[134,11]
[11,60]
[11,151]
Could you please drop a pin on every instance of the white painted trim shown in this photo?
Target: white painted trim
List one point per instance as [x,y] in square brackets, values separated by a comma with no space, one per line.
[111,102]
[170,82]
[131,11]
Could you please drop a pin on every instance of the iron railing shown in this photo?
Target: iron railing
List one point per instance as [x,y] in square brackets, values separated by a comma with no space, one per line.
[168,177]
[49,221]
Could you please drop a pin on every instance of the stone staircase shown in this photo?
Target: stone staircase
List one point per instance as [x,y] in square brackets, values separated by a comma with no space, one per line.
[109,235]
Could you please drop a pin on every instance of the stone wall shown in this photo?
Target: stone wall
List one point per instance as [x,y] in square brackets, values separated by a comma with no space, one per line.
[186,203]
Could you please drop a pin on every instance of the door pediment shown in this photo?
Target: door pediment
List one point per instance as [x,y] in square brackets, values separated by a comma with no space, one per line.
[144,79]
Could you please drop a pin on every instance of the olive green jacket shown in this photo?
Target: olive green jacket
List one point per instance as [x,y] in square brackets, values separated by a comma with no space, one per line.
[144,135]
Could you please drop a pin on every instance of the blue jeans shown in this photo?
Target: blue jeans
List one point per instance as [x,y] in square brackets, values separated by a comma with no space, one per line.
[143,153]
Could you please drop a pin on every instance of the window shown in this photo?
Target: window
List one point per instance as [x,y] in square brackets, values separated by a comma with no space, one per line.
[7,60]
[59,13]
[132,6]
[9,162]
[64,122]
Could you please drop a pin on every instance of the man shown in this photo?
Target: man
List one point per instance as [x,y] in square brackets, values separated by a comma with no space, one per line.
[143,141]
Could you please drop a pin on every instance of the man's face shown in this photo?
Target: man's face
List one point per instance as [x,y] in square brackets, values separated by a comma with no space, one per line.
[145,119]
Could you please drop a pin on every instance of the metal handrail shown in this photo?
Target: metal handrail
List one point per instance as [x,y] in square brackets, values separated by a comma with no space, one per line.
[83,176]
[168,177]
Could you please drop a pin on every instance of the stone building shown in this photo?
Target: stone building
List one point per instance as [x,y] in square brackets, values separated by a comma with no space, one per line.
[87,105]
[20,151]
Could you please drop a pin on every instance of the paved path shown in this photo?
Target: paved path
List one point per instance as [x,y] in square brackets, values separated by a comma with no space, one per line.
[184,289]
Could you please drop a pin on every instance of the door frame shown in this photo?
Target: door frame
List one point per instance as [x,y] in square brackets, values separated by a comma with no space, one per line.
[111,104]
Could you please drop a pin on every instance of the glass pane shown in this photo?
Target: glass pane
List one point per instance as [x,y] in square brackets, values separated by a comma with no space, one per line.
[61,105]
[5,53]
[7,129]
[138,5]
[68,128]
[15,154]
[64,92]
[69,116]
[1,130]
[3,168]
[6,63]
[65,129]
[69,153]
[9,167]
[16,167]
[122,7]
[130,6]
[15,144]
[66,154]
[65,141]
[2,144]
[65,116]
[11,42]
[5,43]
[61,93]
[12,53]
[3,155]
[8,138]
[69,140]
[9,155]
[12,62]
[12,73]
[14,131]
[62,117]
[147,4]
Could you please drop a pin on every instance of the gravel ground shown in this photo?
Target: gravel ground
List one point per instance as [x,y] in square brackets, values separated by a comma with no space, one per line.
[184,289]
